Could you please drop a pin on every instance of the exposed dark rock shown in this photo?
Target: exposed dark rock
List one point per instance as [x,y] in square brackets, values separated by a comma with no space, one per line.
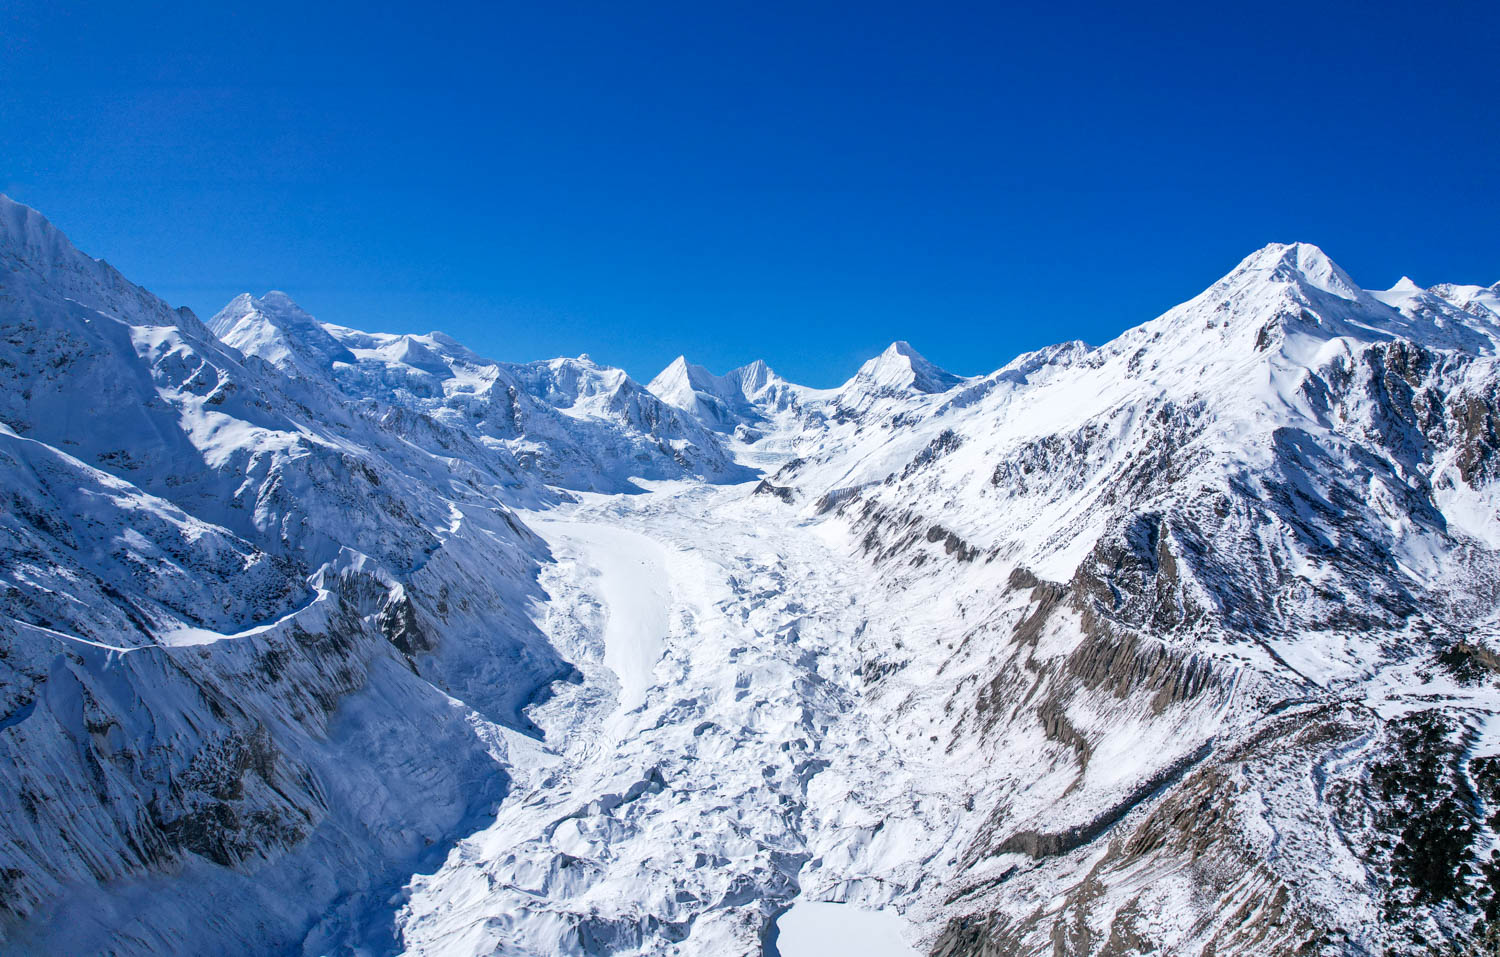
[952,544]
[775,491]
[1038,844]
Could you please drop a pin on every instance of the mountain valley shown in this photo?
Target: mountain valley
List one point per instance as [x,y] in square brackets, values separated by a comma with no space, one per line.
[319,641]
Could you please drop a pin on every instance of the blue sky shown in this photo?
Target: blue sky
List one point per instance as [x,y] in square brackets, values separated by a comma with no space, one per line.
[799,182]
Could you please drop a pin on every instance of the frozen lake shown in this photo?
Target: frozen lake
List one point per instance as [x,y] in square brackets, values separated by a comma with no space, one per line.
[822,929]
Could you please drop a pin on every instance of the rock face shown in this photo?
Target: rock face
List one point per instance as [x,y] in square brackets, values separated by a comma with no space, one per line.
[1182,644]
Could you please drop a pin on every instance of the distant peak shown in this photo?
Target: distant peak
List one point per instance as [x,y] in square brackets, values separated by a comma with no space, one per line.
[1297,253]
[901,366]
[754,376]
[681,368]
[275,307]
[275,328]
[280,300]
[681,374]
[1404,284]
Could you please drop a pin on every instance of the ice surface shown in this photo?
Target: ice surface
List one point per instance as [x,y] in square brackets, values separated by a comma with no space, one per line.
[824,929]
[635,591]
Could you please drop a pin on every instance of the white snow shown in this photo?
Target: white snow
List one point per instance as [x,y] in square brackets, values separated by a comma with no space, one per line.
[631,577]
[824,929]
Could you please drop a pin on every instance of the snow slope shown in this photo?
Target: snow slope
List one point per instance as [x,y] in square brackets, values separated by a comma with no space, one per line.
[633,590]
[820,929]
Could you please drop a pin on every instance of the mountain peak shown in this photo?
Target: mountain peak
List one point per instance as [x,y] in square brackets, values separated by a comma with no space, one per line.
[278,330]
[740,396]
[1301,264]
[902,367]
[681,373]
[276,299]
[754,376]
[737,384]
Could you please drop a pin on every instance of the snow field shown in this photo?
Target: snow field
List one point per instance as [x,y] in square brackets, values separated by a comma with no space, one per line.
[634,589]
[824,929]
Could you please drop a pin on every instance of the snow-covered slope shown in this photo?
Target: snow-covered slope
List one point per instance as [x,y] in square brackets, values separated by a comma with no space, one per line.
[1188,599]
[1181,644]
[238,614]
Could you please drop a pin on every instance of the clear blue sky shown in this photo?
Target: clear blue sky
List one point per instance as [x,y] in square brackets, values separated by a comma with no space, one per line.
[802,182]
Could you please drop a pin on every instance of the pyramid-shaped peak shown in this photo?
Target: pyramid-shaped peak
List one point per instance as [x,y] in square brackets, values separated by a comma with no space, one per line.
[754,376]
[901,366]
[742,382]
[697,376]
[739,396]
[1301,264]
[278,330]
[275,309]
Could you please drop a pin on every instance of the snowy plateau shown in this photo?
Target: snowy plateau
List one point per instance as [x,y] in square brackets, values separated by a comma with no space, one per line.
[319,641]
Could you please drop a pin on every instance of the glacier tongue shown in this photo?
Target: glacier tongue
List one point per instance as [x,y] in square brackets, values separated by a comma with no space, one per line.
[693,815]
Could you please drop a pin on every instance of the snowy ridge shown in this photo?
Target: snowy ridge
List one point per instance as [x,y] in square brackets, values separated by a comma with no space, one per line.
[325,641]
[276,567]
[575,423]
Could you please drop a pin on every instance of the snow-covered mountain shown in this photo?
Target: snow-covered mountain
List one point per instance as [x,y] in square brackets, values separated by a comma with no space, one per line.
[323,641]
[239,615]
[572,422]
